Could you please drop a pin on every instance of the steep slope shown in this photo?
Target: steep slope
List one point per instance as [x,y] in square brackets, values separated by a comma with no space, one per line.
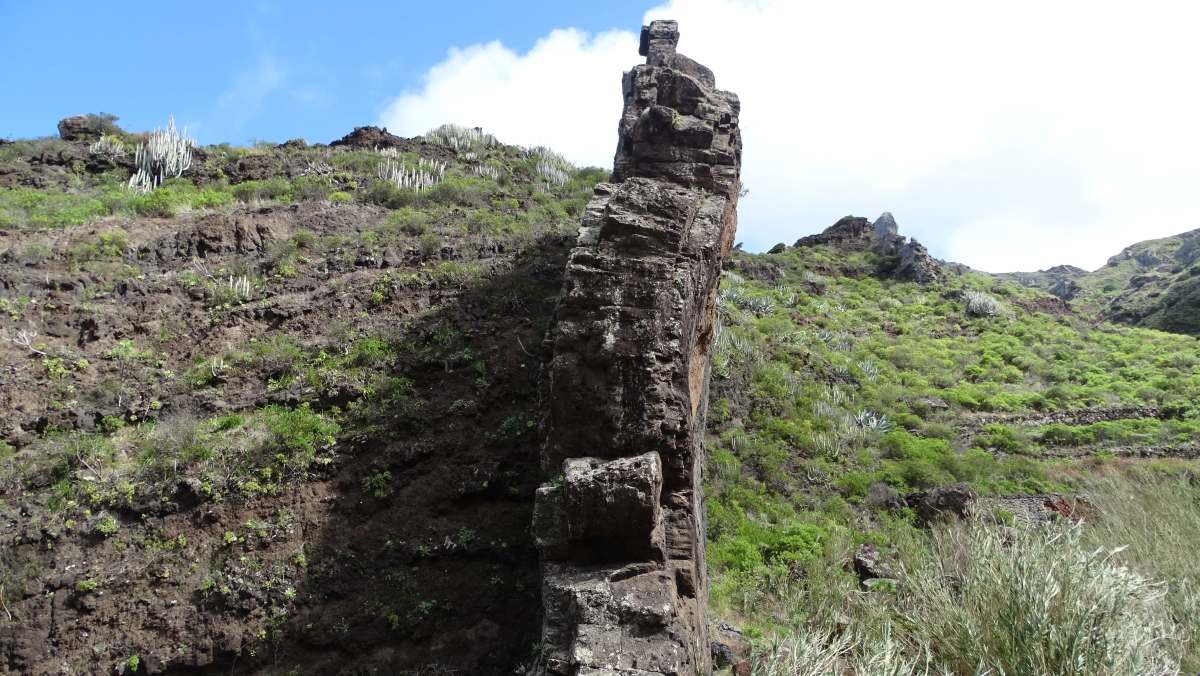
[277,414]
[1153,284]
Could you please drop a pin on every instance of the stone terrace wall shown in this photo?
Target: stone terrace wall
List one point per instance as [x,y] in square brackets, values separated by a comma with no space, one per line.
[620,524]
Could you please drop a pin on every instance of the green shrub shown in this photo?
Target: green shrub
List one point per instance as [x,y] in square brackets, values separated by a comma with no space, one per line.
[1064,435]
[107,525]
[371,352]
[386,194]
[212,199]
[272,189]
[229,422]
[465,192]
[754,547]
[1001,437]
[44,209]
[299,431]
[304,239]
[160,203]
[110,245]
[376,485]
[313,188]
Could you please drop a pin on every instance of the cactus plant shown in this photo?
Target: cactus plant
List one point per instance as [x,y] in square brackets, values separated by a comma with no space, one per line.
[166,154]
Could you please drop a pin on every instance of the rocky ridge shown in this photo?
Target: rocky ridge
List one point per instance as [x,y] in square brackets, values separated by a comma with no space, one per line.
[624,384]
[1153,284]
[904,259]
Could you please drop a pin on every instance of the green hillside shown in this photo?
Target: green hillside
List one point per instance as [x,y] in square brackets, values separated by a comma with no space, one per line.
[1153,284]
[275,415]
[838,391]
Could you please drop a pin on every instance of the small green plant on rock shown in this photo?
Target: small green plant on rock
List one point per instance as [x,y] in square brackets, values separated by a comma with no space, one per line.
[107,525]
[377,484]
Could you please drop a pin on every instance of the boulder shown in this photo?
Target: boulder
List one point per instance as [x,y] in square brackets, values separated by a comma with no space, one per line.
[78,127]
[869,563]
[939,503]
[933,402]
[916,264]
[729,646]
[1149,258]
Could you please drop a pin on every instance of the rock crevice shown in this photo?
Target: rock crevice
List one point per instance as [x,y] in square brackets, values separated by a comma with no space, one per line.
[619,522]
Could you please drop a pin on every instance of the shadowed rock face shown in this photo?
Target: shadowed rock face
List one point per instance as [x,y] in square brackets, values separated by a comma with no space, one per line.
[621,526]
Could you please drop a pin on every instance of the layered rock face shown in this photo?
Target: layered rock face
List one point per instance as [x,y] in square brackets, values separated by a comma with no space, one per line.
[620,524]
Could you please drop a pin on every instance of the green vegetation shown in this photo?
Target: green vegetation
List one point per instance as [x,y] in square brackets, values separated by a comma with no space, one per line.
[834,386]
[976,600]
[509,197]
[1153,284]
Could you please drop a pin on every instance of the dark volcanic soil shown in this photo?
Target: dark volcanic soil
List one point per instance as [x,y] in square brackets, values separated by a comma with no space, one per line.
[406,547]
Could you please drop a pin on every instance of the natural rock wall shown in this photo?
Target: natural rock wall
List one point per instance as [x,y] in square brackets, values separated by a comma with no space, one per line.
[620,524]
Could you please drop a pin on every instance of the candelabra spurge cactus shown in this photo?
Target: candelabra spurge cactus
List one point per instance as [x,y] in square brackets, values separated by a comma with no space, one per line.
[427,174]
[166,154]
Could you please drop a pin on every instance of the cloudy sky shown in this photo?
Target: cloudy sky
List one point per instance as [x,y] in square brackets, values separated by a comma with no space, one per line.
[1008,136]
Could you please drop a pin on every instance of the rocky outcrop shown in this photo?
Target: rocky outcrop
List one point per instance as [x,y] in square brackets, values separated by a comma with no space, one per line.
[620,524]
[368,138]
[885,226]
[78,127]
[851,233]
[914,262]
[909,260]
[942,502]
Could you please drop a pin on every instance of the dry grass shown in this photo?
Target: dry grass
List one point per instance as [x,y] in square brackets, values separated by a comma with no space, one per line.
[1115,594]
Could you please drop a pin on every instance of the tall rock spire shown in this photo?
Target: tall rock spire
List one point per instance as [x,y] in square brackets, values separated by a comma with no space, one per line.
[620,523]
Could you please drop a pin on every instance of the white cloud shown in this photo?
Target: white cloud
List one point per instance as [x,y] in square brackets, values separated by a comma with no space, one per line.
[564,93]
[1006,136]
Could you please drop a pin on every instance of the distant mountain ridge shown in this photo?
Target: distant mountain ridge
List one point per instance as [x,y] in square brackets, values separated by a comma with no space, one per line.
[1152,284]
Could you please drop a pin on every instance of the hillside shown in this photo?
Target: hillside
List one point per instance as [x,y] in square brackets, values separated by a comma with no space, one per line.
[846,398]
[1153,284]
[277,415]
[277,412]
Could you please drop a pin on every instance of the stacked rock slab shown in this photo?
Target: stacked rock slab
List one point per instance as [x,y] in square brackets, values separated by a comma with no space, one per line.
[620,523]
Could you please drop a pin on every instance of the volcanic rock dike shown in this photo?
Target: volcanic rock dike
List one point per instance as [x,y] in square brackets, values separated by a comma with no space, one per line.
[620,521]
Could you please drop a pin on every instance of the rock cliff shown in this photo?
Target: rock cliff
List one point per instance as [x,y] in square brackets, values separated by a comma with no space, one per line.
[620,523]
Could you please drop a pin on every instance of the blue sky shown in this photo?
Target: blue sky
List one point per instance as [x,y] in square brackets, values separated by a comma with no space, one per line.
[235,70]
[1007,136]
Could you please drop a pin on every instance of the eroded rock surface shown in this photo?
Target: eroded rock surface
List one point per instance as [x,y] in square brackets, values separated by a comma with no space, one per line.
[620,524]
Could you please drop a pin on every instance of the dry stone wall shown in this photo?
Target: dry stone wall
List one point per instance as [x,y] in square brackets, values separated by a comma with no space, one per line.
[620,524]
